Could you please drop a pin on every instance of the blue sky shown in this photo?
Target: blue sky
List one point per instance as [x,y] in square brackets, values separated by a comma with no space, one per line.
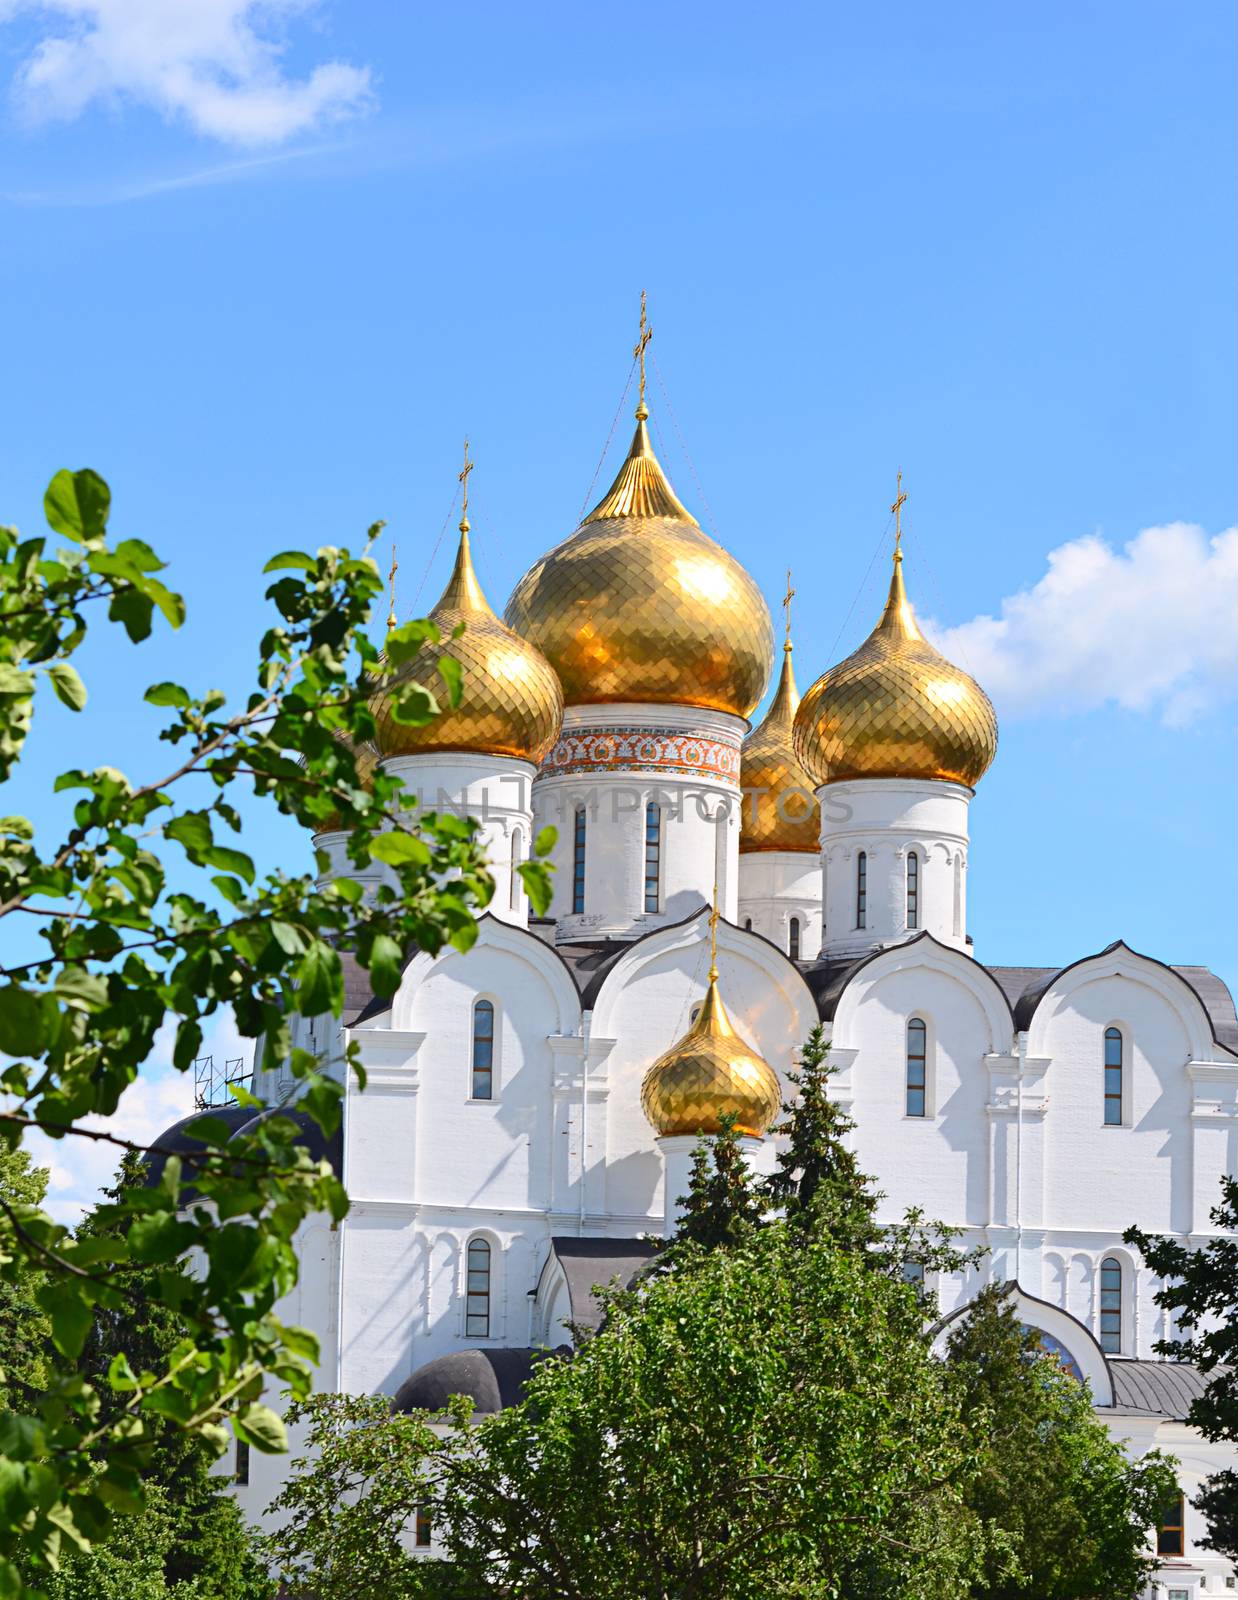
[264,268]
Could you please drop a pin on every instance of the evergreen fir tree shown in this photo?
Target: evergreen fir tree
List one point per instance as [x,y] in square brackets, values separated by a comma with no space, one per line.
[24,1333]
[818,1182]
[723,1206]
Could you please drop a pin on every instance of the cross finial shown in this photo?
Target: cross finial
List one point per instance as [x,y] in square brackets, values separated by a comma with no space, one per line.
[786,606]
[900,499]
[713,937]
[395,567]
[638,350]
[464,479]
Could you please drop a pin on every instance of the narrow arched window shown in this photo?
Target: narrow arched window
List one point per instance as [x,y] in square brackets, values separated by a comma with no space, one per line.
[578,861]
[653,855]
[861,890]
[1111,1306]
[913,890]
[517,857]
[1113,1077]
[1171,1534]
[424,1535]
[483,1050]
[477,1298]
[793,939]
[917,1068]
[747,924]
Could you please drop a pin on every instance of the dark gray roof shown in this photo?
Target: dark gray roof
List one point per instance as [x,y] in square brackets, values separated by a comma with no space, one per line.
[1156,1388]
[493,1379]
[587,1263]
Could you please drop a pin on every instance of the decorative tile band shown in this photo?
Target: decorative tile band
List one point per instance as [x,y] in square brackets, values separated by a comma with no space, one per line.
[644,750]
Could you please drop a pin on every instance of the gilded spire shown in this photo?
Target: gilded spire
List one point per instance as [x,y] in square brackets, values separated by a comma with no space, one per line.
[779,811]
[641,488]
[395,567]
[898,620]
[786,607]
[463,591]
[642,344]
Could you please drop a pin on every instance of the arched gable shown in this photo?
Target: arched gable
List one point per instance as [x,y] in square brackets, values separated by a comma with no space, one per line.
[1120,961]
[1077,1340]
[927,954]
[540,958]
[786,984]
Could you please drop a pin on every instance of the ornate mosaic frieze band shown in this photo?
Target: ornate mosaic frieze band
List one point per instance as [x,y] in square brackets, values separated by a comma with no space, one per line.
[660,750]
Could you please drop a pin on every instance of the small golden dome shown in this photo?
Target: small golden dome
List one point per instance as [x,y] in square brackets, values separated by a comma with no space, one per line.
[711,1073]
[640,604]
[510,704]
[780,810]
[896,708]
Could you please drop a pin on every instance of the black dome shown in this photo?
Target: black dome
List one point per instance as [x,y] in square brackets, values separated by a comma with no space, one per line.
[493,1380]
[176,1140]
[311,1137]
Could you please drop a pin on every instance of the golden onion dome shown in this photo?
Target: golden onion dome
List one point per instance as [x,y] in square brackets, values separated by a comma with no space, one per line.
[780,809]
[640,604]
[896,708]
[710,1074]
[510,702]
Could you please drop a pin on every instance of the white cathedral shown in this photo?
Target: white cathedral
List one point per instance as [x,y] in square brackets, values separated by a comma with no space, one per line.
[532,1105]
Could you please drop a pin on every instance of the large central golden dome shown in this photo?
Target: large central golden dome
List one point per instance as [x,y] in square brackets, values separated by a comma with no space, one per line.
[896,708]
[711,1074]
[640,604]
[510,702]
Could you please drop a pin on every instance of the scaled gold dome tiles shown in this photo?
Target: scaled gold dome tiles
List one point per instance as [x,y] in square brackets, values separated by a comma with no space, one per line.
[511,703]
[780,810]
[896,708]
[640,604]
[708,1075]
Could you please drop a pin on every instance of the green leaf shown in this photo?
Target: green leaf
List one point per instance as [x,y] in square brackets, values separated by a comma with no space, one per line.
[77,503]
[188,1044]
[452,674]
[167,694]
[320,981]
[537,885]
[261,1427]
[70,689]
[193,830]
[159,1237]
[397,848]
[17,827]
[544,843]
[23,1022]
[121,1375]
[70,1314]
[291,558]
[84,991]
[230,861]
[386,965]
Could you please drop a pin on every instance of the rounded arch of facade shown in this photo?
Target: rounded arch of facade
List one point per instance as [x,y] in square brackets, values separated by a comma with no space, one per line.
[926,954]
[1074,1336]
[744,944]
[1126,964]
[564,1013]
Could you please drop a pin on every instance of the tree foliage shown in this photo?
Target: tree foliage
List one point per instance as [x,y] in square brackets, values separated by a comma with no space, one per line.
[146,913]
[1200,1291]
[1072,1512]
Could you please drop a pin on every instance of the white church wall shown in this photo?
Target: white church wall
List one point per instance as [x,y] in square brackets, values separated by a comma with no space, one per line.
[613,761]
[646,1004]
[885,820]
[939,1162]
[776,885]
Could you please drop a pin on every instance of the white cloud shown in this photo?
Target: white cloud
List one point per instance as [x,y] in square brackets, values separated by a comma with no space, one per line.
[203,61]
[1150,627]
[79,1168]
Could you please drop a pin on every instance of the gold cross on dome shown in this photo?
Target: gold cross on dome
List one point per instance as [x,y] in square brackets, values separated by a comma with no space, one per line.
[900,501]
[464,479]
[786,606]
[713,938]
[638,350]
[395,567]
